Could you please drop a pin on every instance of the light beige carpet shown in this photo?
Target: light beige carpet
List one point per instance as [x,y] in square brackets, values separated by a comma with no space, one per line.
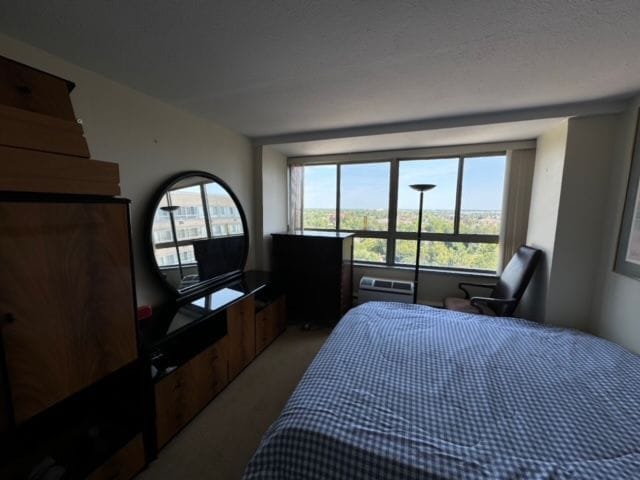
[220,441]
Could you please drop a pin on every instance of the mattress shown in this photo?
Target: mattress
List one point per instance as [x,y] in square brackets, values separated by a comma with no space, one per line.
[405,392]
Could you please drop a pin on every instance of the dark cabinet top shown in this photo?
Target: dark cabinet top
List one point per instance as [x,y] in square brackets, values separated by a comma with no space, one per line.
[173,318]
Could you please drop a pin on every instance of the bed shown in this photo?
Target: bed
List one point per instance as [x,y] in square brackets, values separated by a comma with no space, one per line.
[405,392]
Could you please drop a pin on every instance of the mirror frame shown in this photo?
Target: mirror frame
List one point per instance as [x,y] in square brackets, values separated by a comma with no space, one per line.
[151,212]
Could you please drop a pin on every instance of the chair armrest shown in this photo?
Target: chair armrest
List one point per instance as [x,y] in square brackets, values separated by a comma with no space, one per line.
[470,284]
[496,301]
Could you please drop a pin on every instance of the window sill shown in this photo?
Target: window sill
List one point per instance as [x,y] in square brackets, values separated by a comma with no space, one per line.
[437,271]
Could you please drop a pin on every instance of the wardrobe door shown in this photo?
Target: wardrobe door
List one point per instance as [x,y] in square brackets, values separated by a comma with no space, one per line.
[66,295]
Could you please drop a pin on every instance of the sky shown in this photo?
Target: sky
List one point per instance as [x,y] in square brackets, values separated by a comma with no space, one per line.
[366,185]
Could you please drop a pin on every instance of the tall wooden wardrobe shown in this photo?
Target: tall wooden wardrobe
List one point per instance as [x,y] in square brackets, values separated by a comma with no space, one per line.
[70,376]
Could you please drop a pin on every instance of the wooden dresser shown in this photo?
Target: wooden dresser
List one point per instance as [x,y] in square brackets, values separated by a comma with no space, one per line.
[71,381]
[198,345]
[316,270]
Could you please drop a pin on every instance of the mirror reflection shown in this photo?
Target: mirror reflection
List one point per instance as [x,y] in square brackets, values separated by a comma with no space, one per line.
[198,232]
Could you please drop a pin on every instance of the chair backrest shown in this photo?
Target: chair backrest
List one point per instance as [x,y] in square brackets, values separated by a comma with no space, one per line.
[515,278]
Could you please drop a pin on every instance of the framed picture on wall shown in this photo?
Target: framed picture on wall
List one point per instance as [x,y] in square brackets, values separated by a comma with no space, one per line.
[628,255]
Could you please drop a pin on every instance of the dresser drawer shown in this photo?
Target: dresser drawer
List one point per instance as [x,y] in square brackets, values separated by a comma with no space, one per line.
[182,394]
[270,322]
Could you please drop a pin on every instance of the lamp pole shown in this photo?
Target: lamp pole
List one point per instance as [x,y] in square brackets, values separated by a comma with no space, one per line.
[420,187]
[170,209]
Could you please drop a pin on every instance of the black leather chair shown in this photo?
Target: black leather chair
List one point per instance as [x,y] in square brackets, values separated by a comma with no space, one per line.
[506,293]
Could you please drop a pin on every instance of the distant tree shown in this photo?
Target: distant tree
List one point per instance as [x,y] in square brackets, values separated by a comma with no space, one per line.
[481,256]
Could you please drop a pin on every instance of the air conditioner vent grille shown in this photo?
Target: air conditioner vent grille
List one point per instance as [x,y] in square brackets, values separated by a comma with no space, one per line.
[385,290]
[402,285]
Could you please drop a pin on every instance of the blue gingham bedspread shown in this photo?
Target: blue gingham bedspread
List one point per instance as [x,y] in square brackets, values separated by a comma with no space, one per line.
[406,392]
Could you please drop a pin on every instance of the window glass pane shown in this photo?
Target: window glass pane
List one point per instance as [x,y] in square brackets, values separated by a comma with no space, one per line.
[364,196]
[224,215]
[162,232]
[370,250]
[477,256]
[188,214]
[482,190]
[320,183]
[186,254]
[166,257]
[439,203]
[405,252]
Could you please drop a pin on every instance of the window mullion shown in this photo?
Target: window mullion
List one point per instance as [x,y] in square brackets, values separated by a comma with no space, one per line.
[338,170]
[205,210]
[456,215]
[301,203]
[393,211]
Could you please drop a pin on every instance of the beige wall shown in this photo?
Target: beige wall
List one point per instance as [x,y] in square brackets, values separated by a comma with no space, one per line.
[151,141]
[543,215]
[567,216]
[582,212]
[271,201]
[616,305]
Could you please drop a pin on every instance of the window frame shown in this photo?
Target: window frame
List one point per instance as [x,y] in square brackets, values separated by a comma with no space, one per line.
[392,234]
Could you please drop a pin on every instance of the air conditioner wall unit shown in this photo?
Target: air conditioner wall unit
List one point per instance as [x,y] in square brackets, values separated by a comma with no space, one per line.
[385,290]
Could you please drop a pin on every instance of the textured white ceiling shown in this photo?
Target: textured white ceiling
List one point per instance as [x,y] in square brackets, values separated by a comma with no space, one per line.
[281,66]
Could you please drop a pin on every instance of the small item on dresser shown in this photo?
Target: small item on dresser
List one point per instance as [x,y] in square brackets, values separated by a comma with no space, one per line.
[144,312]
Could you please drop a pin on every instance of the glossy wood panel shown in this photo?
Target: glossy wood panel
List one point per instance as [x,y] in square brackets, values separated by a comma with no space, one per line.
[66,282]
[270,322]
[30,89]
[173,410]
[241,335]
[32,171]
[124,464]
[183,393]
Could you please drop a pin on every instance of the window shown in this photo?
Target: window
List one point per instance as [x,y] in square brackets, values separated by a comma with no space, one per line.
[319,200]
[440,203]
[364,196]
[461,216]
[482,185]
[190,208]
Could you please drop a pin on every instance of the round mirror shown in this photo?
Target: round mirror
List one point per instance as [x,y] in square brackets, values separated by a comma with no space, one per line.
[198,231]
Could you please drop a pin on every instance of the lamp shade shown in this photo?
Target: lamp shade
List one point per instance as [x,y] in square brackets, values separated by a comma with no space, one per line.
[422,187]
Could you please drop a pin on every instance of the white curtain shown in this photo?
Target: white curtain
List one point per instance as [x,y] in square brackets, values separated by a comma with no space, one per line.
[296,196]
[517,198]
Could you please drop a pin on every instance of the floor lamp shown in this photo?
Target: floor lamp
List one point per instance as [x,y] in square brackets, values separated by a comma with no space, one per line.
[420,187]
[170,210]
